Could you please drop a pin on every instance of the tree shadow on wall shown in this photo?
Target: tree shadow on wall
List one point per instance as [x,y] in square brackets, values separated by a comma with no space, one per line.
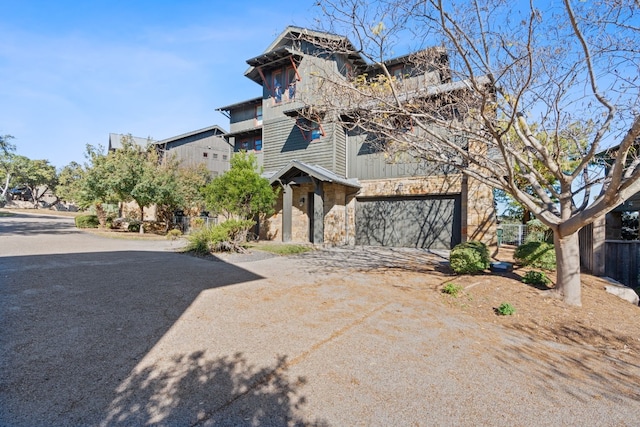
[194,390]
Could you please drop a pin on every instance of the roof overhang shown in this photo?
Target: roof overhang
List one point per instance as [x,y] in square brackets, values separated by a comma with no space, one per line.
[296,172]
[241,104]
[215,129]
[274,58]
[244,133]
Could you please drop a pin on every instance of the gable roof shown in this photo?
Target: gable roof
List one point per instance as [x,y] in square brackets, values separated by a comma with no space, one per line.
[215,129]
[283,47]
[297,168]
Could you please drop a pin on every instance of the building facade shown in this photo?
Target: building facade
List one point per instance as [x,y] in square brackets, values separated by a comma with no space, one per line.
[336,187]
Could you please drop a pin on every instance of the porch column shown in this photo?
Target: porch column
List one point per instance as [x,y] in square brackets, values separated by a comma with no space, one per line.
[318,212]
[287,203]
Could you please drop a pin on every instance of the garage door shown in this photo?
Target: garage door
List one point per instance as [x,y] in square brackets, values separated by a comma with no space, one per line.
[418,222]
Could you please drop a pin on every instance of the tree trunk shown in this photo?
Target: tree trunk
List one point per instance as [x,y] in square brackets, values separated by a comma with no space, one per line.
[6,187]
[101,214]
[141,231]
[568,283]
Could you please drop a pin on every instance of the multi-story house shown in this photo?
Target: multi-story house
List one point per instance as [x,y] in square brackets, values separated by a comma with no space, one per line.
[336,186]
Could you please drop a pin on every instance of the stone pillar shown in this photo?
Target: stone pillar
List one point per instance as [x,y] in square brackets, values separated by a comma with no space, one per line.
[287,204]
[318,213]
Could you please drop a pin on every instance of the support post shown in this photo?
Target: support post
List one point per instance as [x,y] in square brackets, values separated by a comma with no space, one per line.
[287,205]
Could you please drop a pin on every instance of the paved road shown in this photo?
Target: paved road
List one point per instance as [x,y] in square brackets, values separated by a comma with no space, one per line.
[105,332]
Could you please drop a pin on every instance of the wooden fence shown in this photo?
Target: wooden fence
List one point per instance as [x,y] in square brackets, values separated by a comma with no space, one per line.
[622,261]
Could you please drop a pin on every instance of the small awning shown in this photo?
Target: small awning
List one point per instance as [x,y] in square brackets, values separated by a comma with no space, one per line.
[296,169]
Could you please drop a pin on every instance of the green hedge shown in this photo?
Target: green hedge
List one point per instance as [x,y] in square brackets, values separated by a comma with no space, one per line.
[469,257]
[87,221]
[536,254]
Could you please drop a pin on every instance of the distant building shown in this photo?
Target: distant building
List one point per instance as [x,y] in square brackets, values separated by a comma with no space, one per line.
[207,146]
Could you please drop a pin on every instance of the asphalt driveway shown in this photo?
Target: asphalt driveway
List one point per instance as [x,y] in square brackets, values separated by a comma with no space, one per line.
[99,332]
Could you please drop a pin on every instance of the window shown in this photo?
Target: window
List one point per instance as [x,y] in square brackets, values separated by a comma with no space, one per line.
[291,80]
[398,72]
[215,155]
[205,155]
[311,130]
[277,86]
[258,116]
[224,157]
[249,144]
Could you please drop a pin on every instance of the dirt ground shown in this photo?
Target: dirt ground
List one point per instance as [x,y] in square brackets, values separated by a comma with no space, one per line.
[604,321]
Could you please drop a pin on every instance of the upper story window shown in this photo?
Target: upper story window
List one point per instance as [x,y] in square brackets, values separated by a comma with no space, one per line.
[291,81]
[284,84]
[258,115]
[205,154]
[249,144]
[311,130]
[277,86]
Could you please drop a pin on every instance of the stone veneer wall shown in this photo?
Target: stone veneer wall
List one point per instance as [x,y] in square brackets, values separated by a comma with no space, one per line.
[478,222]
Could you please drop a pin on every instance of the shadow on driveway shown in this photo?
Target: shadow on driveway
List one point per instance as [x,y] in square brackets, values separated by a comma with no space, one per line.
[75,326]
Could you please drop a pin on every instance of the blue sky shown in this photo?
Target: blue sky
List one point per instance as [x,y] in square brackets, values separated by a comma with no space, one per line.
[71,72]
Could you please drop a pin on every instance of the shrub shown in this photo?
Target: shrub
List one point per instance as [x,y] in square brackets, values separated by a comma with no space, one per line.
[174,234]
[199,241]
[469,257]
[452,289]
[87,221]
[536,254]
[538,232]
[230,235]
[536,278]
[134,226]
[505,309]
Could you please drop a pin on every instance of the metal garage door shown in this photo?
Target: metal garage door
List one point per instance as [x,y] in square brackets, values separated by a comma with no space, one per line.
[418,222]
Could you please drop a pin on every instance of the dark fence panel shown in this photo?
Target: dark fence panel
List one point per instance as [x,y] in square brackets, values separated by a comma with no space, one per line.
[622,261]
[586,247]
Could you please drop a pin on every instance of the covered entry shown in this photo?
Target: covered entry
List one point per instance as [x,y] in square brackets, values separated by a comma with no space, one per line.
[412,221]
[312,196]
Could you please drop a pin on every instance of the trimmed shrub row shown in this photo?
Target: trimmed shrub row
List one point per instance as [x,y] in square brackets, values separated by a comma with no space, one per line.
[87,221]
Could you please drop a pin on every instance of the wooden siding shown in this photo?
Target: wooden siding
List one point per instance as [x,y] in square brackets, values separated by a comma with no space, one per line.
[283,142]
[243,119]
[190,151]
[365,162]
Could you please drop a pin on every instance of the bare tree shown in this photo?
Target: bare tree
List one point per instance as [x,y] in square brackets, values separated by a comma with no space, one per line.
[501,66]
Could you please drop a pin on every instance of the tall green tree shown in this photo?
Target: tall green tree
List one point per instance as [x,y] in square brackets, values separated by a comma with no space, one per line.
[241,191]
[69,180]
[181,188]
[94,187]
[38,176]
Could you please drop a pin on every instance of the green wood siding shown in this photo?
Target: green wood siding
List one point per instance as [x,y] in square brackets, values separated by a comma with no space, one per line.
[367,162]
[285,142]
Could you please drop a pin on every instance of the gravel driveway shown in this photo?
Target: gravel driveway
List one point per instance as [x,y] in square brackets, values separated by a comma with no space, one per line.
[100,332]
